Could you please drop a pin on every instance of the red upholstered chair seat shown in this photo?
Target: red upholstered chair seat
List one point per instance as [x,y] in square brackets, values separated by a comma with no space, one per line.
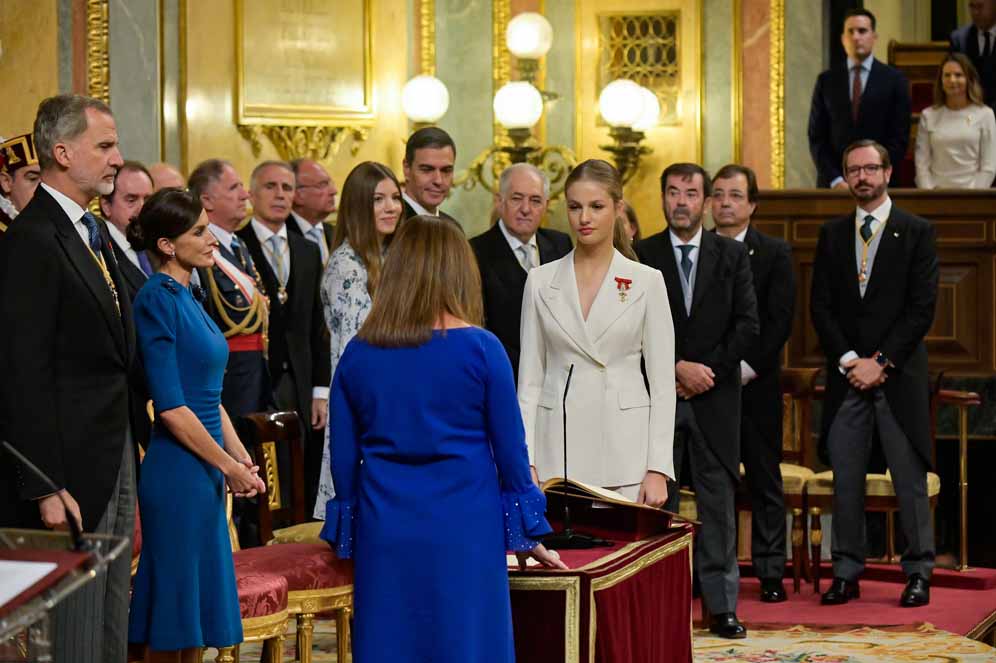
[305,566]
[260,594]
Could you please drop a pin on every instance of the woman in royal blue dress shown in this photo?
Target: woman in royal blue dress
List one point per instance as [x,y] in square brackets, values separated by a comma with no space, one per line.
[184,594]
[429,463]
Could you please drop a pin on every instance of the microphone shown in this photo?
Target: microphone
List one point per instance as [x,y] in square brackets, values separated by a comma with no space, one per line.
[75,532]
[568,539]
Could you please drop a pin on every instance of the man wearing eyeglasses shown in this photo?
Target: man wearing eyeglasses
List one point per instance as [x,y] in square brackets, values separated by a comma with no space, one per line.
[874,287]
[314,202]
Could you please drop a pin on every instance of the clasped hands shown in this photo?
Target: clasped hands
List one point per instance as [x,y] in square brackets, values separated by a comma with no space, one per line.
[693,378]
[865,374]
[243,478]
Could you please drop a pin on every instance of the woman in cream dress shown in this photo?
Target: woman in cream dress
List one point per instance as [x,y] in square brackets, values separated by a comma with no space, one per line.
[956,138]
[602,313]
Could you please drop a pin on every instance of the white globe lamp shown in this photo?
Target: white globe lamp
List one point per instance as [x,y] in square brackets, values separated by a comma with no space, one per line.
[425,99]
[651,111]
[518,105]
[529,35]
[621,103]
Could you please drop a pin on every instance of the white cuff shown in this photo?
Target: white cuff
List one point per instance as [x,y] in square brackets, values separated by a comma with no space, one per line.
[319,393]
[844,358]
[836,181]
[746,372]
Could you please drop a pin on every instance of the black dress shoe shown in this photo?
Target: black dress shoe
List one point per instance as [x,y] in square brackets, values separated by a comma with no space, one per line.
[726,625]
[841,591]
[917,592]
[772,591]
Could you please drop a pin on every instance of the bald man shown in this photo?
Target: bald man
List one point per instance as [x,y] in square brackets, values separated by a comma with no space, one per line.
[165,175]
[314,201]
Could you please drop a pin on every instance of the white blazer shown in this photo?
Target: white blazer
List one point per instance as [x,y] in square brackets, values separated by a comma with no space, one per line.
[616,430]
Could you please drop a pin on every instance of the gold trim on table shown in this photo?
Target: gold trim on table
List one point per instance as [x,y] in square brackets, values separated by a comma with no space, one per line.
[571,586]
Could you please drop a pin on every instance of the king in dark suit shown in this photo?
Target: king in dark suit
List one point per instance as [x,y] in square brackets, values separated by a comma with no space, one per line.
[67,362]
[714,310]
[514,245]
[291,270]
[867,100]
[977,40]
[734,199]
[428,168]
[874,288]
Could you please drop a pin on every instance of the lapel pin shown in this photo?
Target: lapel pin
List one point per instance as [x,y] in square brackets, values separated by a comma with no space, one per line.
[750,252]
[895,234]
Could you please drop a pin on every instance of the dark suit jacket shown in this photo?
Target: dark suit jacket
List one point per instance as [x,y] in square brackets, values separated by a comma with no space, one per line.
[720,331]
[884,116]
[66,360]
[966,40]
[893,317]
[297,328]
[327,228]
[134,278]
[503,281]
[774,288]
[409,212]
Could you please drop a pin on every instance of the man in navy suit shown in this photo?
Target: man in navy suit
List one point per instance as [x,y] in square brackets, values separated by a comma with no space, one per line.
[977,40]
[513,246]
[868,100]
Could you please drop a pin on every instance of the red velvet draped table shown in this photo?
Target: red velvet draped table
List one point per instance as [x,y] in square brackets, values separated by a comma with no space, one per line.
[631,603]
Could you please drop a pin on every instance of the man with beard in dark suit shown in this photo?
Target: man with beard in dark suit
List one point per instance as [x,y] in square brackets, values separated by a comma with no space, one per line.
[734,199]
[873,295]
[514,245]
[868,99]
[291,269]
[66,365]
[977,40]
[428,168]
[132,185]
[715,326]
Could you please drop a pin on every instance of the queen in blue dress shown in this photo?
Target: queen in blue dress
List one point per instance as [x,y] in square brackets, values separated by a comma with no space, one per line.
[429,463]
[184,593]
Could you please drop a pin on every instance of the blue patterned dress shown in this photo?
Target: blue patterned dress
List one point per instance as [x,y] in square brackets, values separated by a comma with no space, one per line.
[184,593]
[346,304]
[433,486]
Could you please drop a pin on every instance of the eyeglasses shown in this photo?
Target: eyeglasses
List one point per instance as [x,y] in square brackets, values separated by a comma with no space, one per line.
[870,169]
[321,186]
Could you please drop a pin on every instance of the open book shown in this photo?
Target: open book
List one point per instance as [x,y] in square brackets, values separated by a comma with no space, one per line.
[577,488]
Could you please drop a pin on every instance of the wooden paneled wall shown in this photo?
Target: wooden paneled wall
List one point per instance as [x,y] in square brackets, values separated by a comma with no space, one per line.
[962,340]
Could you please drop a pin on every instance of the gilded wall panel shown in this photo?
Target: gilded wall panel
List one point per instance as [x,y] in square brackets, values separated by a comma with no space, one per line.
[29,64]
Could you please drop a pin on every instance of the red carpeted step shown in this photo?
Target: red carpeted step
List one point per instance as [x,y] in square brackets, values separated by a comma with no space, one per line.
[974,578]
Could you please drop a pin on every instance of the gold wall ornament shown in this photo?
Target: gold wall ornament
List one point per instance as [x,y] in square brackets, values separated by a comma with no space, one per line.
[98,71]
[737,83]
[501,73]
[776,87]
[427,37]
[555,161]
[320,143]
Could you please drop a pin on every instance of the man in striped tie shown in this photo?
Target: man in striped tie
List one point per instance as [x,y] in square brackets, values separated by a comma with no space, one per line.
[66,361]
[132,185]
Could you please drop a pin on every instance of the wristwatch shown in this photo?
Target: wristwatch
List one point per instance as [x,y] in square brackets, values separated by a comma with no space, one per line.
[882,360]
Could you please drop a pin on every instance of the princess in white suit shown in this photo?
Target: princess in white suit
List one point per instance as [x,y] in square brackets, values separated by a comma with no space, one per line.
[603,313]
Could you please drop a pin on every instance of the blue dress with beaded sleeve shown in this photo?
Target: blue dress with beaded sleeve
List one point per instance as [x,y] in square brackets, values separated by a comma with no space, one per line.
[184,592]
[432,487]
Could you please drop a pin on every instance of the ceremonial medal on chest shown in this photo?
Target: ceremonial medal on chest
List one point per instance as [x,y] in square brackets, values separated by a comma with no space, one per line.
[282,295]
[622,285]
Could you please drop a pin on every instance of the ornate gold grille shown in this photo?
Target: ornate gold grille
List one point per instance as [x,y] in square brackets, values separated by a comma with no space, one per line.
[643,48]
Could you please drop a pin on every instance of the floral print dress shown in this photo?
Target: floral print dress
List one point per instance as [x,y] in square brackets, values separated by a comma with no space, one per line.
[346,304]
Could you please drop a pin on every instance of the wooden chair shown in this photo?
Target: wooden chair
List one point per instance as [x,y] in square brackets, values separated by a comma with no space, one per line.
[317,580]
[880,496]
[797,390]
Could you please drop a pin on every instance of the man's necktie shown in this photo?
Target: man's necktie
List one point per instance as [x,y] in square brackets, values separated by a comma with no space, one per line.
[238,253]
[988,48]
[866,228]
[526,256]
[686,261]
[143,262]
[316,235]
[856,93]
[91,227]
[277,250]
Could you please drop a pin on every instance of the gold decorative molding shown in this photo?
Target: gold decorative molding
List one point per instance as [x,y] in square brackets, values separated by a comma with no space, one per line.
[295,142]
[571,587]
[776,93]
[501,72]
[427,37]
[737,82]
[271,475]
[98,71]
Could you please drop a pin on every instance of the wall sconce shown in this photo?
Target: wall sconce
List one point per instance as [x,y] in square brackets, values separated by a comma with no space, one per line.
[629,110]
[424,100]
[529,37]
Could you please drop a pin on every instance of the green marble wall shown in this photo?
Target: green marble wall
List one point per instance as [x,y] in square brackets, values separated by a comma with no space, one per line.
[717,108]
[133,27]
[804,48]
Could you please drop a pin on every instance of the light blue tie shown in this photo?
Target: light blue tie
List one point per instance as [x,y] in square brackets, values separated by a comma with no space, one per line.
[279,266]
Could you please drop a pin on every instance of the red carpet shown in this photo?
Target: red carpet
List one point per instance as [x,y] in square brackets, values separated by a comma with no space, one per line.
[950,609]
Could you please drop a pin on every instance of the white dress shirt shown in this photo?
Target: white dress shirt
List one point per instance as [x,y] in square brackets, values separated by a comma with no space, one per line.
[72,210]
[223,236]
[418,208]
[263,234]
[123,244]
[517,245]
[306,228]
[881,214]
